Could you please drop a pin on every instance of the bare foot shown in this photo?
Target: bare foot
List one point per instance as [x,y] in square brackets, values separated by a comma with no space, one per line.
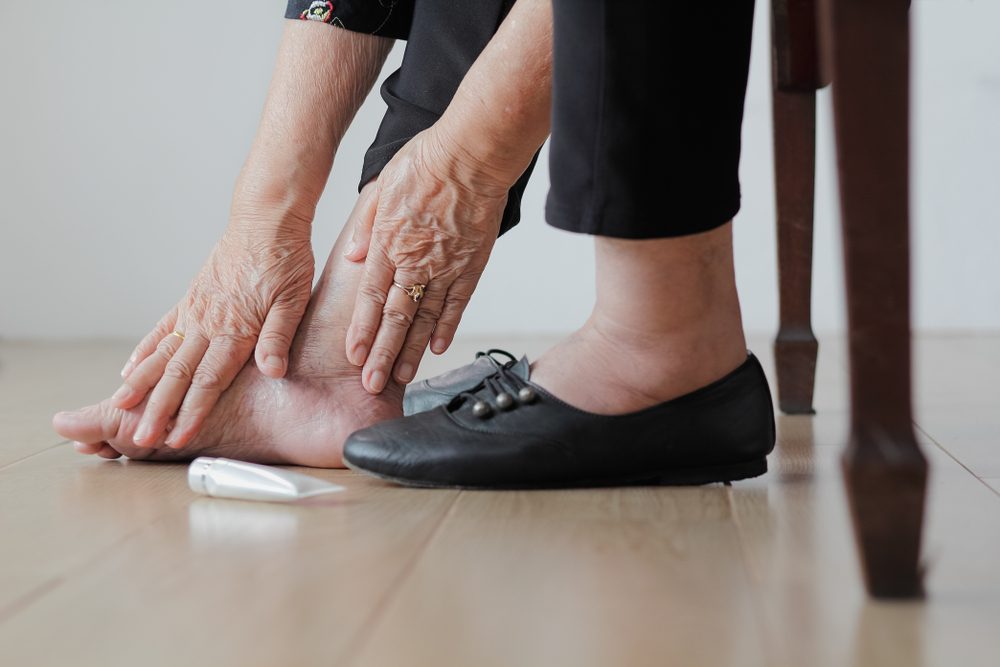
[300,420]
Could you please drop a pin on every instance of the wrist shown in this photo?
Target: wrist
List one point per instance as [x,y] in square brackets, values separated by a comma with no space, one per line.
[472,159]
[273,198]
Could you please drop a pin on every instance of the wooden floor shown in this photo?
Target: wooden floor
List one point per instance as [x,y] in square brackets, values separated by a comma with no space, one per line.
[117,563]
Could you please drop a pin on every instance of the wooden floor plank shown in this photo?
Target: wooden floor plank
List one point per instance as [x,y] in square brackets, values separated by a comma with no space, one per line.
[115,564]
[645,576]
[122,563]
[796,531]
[970,434]
[39,379]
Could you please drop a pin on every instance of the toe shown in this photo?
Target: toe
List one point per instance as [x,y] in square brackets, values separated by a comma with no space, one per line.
[95,423]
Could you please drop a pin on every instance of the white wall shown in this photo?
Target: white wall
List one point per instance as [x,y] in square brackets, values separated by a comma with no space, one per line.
[123,125]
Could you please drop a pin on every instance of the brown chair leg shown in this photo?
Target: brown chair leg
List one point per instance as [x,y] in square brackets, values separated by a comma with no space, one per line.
[795,347]
[867,42]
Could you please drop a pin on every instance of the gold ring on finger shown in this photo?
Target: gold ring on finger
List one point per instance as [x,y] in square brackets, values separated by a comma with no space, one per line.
[176,333]
[414,291]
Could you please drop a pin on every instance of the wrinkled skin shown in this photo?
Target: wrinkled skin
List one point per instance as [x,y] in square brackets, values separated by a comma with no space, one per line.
[250,294]
[434,221]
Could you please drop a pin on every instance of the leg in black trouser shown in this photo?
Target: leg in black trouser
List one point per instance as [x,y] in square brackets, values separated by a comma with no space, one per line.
[647,108]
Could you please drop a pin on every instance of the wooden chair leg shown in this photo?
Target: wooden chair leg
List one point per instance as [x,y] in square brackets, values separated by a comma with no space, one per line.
[795,347]
[867,43]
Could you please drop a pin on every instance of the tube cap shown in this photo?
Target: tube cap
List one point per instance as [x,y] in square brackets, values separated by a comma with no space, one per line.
[198,474]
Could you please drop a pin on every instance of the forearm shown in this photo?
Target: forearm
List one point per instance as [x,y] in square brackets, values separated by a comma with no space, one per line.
[321,77]
[500,114]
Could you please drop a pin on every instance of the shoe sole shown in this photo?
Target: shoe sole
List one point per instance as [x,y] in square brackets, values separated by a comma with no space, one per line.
[677,477]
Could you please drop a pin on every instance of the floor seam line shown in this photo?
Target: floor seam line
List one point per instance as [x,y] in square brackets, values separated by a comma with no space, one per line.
[54,582]
[33,455]
[754,577]
[955,459]
[367,629]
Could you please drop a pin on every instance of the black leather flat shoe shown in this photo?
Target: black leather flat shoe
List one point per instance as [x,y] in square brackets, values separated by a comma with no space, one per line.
[508,433]
[440,389]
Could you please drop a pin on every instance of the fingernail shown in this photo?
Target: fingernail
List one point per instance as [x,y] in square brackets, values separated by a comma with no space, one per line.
[351,247]
[124,371]
[141,433]
[274,363]
[405,372]
[377,381]
[78,446]
[359,354]
[122,392]
[438,346]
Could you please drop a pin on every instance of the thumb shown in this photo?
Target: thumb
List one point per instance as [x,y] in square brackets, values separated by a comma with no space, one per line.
[362,220]
[276,336]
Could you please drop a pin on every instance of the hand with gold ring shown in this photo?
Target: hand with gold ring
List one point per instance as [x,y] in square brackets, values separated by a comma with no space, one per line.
[425,240]
[250,295]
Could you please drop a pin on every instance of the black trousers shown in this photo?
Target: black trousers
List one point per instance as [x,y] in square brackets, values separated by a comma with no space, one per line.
[647,102]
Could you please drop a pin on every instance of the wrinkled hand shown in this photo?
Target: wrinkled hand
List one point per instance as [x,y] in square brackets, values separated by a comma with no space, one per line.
[433,220]
[252,291]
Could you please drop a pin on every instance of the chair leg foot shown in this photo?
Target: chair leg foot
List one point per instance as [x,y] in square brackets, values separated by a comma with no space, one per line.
[886,483]
[795,352]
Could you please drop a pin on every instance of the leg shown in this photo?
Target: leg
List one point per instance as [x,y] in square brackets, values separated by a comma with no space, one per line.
[795,347]
[667,317]
[885,472]
[795,78]
[302,419]
[666,322]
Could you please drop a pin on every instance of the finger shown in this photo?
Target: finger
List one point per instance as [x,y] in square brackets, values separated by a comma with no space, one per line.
[397,316]
[148,344]
[373,293]
[223,361]
[419,335]
[362,220]
[169,392]
[451,314]
[276,335]
[146,374]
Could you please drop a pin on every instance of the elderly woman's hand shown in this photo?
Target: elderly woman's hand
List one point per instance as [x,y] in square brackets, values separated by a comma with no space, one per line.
[251,293]
[433,223]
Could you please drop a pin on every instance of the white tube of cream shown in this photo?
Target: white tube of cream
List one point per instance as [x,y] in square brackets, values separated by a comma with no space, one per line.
[226,478]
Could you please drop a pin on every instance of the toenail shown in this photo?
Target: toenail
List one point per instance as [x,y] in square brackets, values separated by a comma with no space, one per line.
[377,380]
[405,372]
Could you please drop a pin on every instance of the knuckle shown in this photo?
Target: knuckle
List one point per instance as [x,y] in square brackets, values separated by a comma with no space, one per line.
[164,349]
[207,378]
[426,317]
[413,350]
[455,300]
[394,317]
[372,293]
[363,331]
[275,339]
[178,369]
[383,358]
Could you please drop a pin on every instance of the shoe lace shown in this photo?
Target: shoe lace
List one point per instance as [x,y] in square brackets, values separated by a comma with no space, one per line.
[506,390]
[494,351]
